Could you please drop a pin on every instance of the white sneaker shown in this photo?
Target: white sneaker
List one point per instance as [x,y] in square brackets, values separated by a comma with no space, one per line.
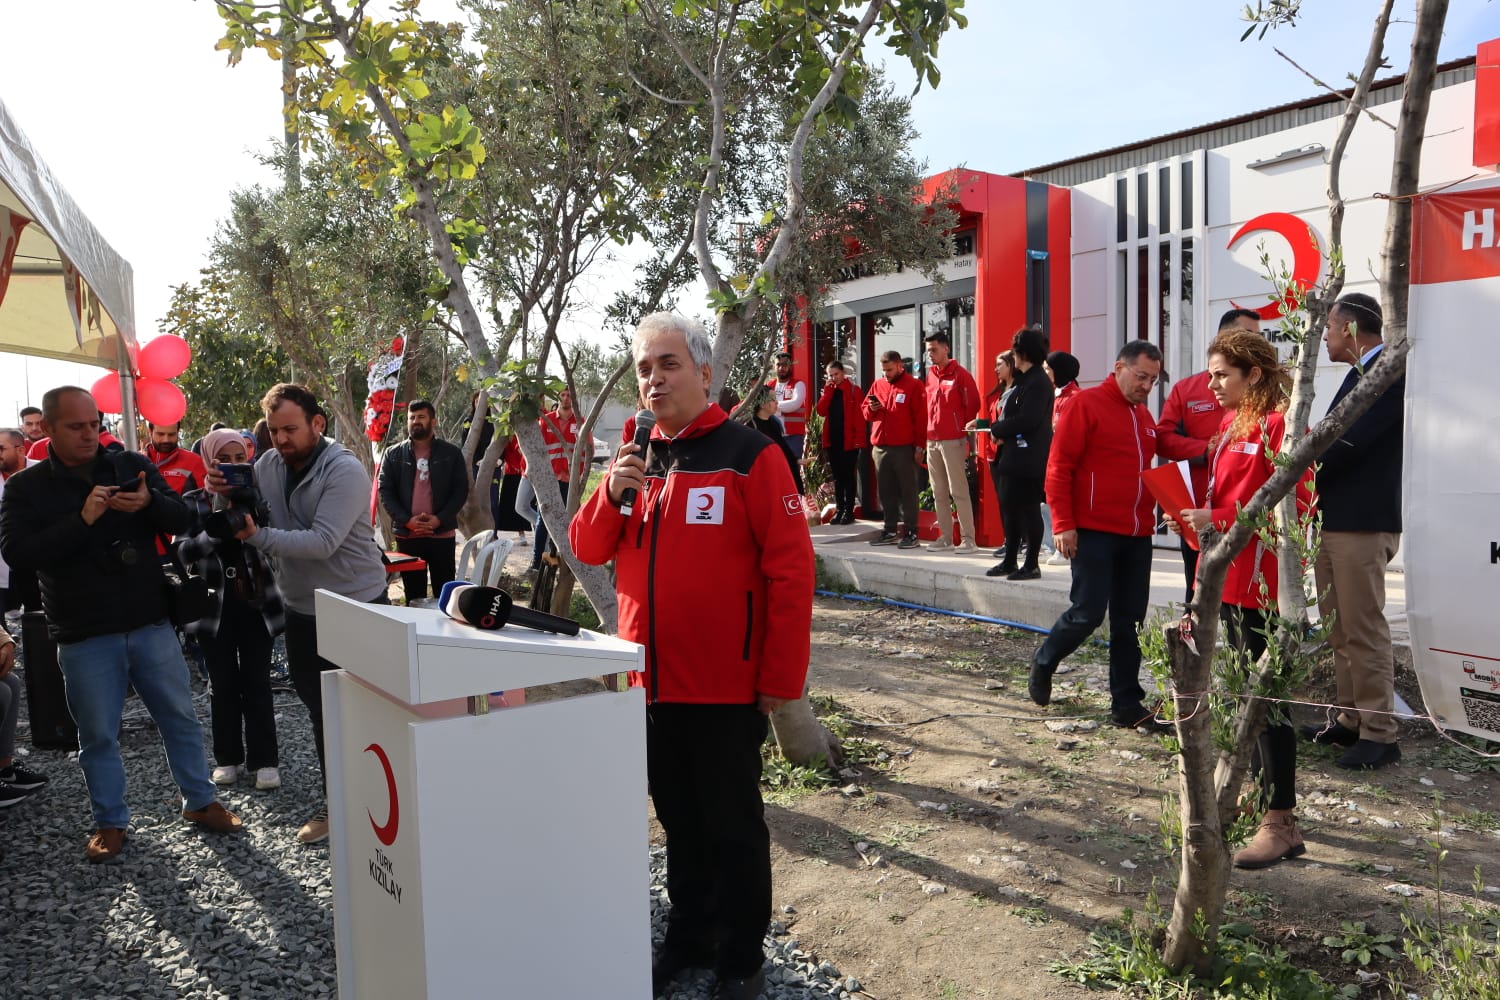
[267,778]
[966,546]
[227,774]
[939,544]
[1055,559]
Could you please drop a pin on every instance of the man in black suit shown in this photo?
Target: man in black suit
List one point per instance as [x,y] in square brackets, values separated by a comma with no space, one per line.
[1359,493]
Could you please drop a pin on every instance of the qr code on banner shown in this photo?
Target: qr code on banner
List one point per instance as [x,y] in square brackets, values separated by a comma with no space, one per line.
[1481,709]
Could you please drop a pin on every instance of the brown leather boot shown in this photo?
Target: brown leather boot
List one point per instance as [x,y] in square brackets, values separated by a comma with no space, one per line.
[1277,839]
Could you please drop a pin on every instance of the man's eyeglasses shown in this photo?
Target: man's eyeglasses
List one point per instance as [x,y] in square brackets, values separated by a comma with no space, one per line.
[1144,378]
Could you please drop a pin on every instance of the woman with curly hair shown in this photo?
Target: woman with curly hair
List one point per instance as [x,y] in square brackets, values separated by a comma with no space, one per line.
[1250,382]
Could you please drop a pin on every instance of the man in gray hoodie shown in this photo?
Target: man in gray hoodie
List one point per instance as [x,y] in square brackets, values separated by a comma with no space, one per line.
[319,537]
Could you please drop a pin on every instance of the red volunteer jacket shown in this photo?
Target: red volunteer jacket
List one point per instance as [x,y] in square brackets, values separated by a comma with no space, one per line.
[1191,417]
[558,449]
[1240,468]
[952,401]
[1100,448]
[989,449]
[1064,394]
[512,462]
[793,418]
[902,418]
[713,567]
[182,469]
[854,419]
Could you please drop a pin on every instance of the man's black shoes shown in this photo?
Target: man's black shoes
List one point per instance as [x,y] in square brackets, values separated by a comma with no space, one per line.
[1333,733]
[886,538]
[1039,686]
[1367,755]
[671,963]
[1141,719]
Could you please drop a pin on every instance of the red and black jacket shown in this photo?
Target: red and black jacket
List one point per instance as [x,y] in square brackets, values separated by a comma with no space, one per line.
[1102,444]
[713,566]
[1189,419]
[952,401]
[854,420]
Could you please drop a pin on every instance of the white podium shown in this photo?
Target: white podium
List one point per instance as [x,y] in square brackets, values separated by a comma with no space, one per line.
[494,855]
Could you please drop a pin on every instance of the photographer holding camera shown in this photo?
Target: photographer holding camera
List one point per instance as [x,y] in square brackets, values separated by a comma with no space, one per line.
[236,635]
[87,521]
[318,533]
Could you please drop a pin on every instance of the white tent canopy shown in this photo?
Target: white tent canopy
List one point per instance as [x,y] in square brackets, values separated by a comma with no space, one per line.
[64,292]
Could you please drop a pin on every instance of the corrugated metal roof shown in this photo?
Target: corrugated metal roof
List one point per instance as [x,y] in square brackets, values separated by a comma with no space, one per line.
[1230,130]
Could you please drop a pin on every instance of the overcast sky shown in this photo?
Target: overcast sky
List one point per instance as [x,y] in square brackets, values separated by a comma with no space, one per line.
[142,122]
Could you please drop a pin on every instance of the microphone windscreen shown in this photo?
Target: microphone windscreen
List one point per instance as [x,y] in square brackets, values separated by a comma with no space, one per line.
[481,607]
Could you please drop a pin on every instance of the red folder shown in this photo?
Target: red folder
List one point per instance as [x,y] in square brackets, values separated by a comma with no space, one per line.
[1171,484]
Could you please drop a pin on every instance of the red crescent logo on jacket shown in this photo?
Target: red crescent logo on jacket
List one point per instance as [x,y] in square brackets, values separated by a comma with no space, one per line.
[705,505]
[386,834]
[793,504]
[1307,260]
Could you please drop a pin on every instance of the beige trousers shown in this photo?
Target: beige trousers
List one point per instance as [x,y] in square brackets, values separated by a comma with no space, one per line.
[946,462]
[1350,572]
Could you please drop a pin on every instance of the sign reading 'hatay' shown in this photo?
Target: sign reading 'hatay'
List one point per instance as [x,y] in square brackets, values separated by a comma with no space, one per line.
[1452,471]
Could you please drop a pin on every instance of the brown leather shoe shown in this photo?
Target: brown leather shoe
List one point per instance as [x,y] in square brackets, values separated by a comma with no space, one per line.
[104,845]
[1277,840]
[214,817]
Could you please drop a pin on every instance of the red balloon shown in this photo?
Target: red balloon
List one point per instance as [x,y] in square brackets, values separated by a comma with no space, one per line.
[159,401]
[106,393]
[165,357]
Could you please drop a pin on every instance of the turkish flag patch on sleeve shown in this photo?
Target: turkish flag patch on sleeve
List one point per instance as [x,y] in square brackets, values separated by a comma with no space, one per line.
[793,504]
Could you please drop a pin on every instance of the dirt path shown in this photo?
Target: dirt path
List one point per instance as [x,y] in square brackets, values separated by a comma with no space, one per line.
[961,856]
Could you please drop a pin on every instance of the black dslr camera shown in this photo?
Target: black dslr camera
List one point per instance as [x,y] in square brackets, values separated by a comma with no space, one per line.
[242,501]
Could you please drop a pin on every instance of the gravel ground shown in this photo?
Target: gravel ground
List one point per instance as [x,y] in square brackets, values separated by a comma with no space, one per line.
[188,914]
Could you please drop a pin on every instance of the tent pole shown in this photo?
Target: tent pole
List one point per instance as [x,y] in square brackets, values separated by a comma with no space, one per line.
[127,433]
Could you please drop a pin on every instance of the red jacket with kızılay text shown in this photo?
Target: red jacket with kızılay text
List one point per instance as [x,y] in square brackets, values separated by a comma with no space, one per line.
[1189,419]
[1102,444]
[181,468]
[854,420]
[713,566]
[1240,467]
[952,401]
[902,417]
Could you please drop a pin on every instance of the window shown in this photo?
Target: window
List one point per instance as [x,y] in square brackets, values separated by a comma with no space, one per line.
[1038,288]
[1164,200]
[955,317]
[1185,185]
[1142,205]
[1122,211]
[963,244]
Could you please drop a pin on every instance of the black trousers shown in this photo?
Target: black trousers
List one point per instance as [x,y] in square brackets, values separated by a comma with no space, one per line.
[306,669]
[1021,517]
[441,559]
[1275,758]
[503,505]
[844,463]
[703,765]
[241,710]
[1111,574]
[1189,568]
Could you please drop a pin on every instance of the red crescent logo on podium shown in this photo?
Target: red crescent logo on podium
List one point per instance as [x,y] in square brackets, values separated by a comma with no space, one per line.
[386,834]
[1307,259]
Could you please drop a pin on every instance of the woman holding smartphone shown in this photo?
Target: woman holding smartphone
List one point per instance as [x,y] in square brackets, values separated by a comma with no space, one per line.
[237,641]
[1245,374]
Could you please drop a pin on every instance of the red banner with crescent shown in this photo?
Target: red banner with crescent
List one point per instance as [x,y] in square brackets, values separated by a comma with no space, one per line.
[1456,237]
[11,224]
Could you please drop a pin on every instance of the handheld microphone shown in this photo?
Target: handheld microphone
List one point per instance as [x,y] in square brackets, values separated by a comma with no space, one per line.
[644,421]
[491,608]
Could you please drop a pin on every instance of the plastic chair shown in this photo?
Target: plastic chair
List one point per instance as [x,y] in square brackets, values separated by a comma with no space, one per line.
[489,565]
[470,550]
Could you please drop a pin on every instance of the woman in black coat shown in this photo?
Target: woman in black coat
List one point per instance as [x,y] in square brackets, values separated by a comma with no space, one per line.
[1024,436]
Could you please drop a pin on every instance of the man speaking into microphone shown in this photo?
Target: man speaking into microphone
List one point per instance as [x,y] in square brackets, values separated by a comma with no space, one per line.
[714,550]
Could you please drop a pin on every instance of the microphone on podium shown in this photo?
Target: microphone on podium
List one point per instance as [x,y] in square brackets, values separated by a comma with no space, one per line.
[644,421]
[492,608]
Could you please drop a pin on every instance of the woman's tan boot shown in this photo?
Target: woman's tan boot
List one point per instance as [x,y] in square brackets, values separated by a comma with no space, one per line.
[1277,839]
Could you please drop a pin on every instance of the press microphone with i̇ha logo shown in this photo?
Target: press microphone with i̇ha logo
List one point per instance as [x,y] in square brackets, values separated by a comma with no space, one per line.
[644,421]
[491,608]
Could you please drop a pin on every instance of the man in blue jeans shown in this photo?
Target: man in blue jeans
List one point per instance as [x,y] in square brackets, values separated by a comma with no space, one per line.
[1103,518]
[87,521]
